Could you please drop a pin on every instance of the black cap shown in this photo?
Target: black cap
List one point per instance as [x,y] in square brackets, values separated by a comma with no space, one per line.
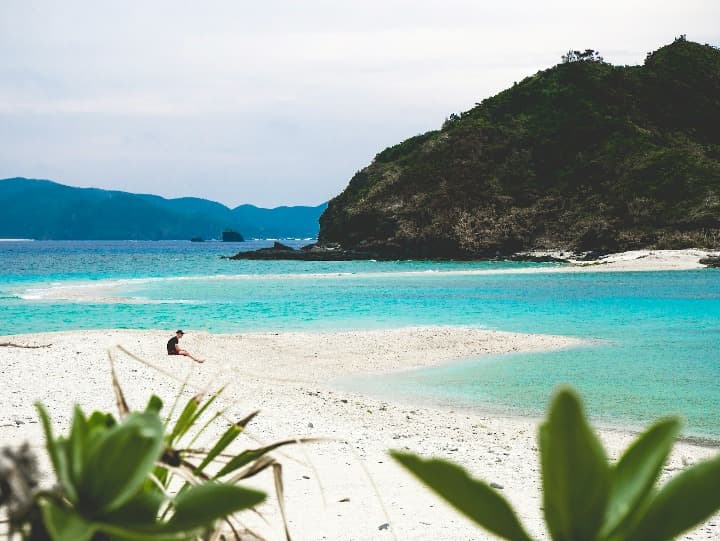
[179,332]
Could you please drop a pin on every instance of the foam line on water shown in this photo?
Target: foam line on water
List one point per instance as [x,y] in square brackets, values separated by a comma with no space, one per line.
[102,289]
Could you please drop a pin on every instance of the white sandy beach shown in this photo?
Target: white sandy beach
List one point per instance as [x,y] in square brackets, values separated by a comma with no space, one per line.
[290,377]
[645,260]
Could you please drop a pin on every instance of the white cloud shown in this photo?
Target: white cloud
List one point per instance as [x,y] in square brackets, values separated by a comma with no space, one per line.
[261,90]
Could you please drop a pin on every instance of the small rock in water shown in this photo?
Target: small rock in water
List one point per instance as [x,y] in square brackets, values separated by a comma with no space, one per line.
[495,485]
[384,526]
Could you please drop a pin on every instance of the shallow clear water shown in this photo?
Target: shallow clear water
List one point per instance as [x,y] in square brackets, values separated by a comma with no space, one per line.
[658,333]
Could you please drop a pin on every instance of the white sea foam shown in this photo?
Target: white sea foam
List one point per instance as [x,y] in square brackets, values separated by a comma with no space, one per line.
[103,290]
[92,293]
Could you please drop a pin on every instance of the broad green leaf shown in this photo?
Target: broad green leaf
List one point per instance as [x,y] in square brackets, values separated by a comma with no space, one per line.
[154,405]
[157,532]
[119,464]
[58,455]
[142,510]
[99,420]
[685,501]
[226,439]
[637,471]
[149,533]
[246,457]
[201,505]
[576,476]
[65,524]
[131,521]
[77,444]
[471,497]
[97,426]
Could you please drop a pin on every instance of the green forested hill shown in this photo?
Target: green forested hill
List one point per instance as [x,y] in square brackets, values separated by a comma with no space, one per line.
[581,156]
[41,209]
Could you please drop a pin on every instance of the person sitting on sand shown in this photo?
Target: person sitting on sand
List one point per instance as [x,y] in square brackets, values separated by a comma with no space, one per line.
[173,347]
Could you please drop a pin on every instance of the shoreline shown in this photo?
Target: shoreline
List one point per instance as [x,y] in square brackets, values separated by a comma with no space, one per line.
[290,377]
[643,260]
[485,410]
[658,259]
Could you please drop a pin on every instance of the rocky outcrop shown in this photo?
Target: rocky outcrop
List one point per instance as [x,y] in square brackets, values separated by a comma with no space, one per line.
[311,252]
[712,261]
[230,235]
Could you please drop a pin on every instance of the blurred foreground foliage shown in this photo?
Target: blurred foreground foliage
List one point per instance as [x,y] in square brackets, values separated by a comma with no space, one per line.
[137,477]
[585,498]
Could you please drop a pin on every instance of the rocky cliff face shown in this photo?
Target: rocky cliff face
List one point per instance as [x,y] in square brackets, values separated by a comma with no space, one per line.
[582,156]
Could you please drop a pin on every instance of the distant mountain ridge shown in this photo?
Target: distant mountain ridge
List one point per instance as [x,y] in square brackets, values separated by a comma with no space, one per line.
[47,210]
[583,156]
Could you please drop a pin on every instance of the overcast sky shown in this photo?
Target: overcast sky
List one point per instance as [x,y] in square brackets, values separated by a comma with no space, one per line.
[277,102]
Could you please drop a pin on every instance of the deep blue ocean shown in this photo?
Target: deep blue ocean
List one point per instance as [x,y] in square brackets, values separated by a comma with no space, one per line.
[656,335]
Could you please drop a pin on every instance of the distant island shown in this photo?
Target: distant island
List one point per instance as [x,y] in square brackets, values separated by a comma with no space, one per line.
[584,156]
[230,235]
[46,210]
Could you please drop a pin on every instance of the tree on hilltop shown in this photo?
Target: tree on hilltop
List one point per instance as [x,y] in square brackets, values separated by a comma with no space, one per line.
[588,55]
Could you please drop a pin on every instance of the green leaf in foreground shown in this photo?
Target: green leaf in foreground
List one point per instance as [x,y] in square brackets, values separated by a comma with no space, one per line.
[201,505]
[686,500]
[184,421]
[99,420]
[226,439]
[77,446]
[58,455]
[154,405]
[585,498]
[246,457]
[65,525]
[150,533]
[141,510]
[190,414]
[576,476]
[637,471]
[471,497]
[132,449]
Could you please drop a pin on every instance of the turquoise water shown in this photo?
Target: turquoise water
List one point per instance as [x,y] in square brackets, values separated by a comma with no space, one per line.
[657,333]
